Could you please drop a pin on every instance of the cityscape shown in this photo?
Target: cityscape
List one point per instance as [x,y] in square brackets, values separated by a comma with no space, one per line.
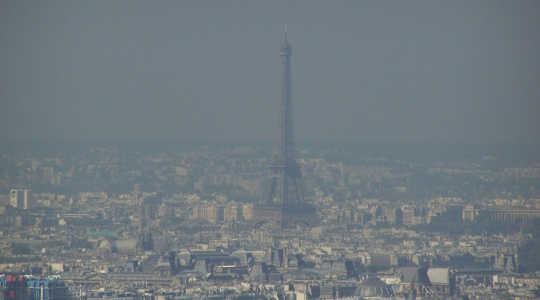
[287,219]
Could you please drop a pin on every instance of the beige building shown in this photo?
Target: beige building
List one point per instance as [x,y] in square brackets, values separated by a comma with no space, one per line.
[20,198]
[247,212]
[469,213]
[206,211]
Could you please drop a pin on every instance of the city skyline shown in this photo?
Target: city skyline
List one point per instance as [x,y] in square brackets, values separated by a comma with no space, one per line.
[150,150]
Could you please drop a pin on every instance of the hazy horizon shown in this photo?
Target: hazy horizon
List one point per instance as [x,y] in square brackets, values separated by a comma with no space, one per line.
[435,71]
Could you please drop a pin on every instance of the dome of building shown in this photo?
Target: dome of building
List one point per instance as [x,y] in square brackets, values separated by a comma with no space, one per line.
[373,287]
[105,245]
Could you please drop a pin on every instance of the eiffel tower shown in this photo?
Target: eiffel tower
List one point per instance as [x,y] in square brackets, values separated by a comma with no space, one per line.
[286,177]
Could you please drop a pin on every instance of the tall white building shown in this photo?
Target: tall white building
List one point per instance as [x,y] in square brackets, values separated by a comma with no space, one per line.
[20,198]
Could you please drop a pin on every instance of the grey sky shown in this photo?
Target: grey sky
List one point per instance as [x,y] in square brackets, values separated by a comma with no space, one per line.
[436,70]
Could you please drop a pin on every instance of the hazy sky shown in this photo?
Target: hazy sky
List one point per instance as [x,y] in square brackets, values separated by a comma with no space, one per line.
[435,70]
